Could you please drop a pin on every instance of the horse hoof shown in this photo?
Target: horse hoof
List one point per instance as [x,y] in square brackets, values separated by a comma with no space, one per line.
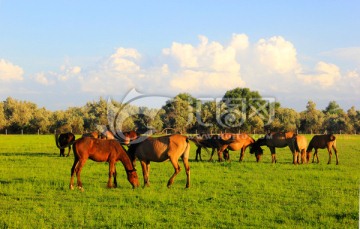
[71,187]
[81,188]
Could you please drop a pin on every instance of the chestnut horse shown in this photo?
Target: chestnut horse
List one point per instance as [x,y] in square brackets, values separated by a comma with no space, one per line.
[160,149]
[99,150]
[238,142]
[64,140]
[296,143]
[322,141]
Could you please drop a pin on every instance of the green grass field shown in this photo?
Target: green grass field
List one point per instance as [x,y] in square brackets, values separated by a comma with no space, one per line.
[34,191]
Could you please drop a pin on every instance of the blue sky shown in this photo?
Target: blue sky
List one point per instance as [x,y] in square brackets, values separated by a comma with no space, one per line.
[65,53]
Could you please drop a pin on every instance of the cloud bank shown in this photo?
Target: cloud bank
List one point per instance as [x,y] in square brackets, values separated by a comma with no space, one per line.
[208,68]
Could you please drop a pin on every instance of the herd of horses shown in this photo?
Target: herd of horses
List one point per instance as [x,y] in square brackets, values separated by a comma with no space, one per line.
[109,147]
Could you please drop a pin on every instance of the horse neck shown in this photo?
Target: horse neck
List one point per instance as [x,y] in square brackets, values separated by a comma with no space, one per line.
[125,159]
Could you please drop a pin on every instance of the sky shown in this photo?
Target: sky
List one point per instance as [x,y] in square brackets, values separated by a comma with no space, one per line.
[60,54]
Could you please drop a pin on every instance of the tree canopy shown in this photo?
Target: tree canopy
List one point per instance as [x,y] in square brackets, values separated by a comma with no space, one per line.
[239,110]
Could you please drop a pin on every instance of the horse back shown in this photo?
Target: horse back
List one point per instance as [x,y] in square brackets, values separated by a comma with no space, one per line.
[240,141]
[98,150]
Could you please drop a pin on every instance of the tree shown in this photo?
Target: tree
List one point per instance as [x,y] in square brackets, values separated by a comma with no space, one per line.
[3,121]
[354,119]
[179,114]
[286,119]
[311,119]
[241,104]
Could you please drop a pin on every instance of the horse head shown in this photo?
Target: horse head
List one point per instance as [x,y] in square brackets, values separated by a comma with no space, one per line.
[257,150]
[133,178]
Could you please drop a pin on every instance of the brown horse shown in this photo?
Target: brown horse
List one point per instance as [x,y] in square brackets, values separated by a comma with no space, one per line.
[107,135]
[160,149]
[322,141]
[99,150]
[239,142]
[300,149]
[64,140]
[208,141]
[93,134]
[280,140]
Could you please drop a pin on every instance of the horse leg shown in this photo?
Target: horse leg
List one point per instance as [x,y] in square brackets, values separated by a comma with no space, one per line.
[212,154]
[198,153]
[111,173]
[145,165]
[303,156]
[78,169]
[68,151]
[273,154]
[242,153]
[330,155]
[220,152]
[295,157]
[336,154]
[177,169]
[317,157]
[62,154]
[73,173]
[187,169]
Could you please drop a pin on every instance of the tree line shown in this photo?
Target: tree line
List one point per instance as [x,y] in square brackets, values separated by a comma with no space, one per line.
[239,110]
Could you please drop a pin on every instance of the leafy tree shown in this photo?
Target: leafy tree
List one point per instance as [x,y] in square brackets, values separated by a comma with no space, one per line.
[286,119]
[40,121]
[179,114]
[311,119]
[354,119]
[336,119]
[3,121]
[333,108]
[240,105]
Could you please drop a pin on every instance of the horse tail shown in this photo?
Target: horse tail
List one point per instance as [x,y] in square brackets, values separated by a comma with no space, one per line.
[57,140]
[332,137]
[64,146]
[186,152]
[296,144]
[198,143]
[310,146]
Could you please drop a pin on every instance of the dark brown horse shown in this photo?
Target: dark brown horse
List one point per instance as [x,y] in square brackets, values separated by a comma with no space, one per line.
[322,141]
[206,141]
[160,149]
[274,140]
[99,150]
[64,140]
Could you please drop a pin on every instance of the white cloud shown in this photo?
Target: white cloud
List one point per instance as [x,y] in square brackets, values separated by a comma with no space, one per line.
[325,75]
[277,55]
[10,72]
[210,66]
[45,79]
[239,42]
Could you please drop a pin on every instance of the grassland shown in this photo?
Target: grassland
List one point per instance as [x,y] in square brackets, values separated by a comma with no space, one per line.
[34,191]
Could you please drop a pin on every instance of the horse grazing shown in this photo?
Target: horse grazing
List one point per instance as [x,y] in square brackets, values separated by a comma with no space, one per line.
[99,150]
[296,143]
[160,149]
[322,141]
[238,142]
[64,140]
[207,141]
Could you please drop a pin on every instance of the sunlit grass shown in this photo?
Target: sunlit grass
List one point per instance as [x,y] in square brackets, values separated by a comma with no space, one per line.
[34,191]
